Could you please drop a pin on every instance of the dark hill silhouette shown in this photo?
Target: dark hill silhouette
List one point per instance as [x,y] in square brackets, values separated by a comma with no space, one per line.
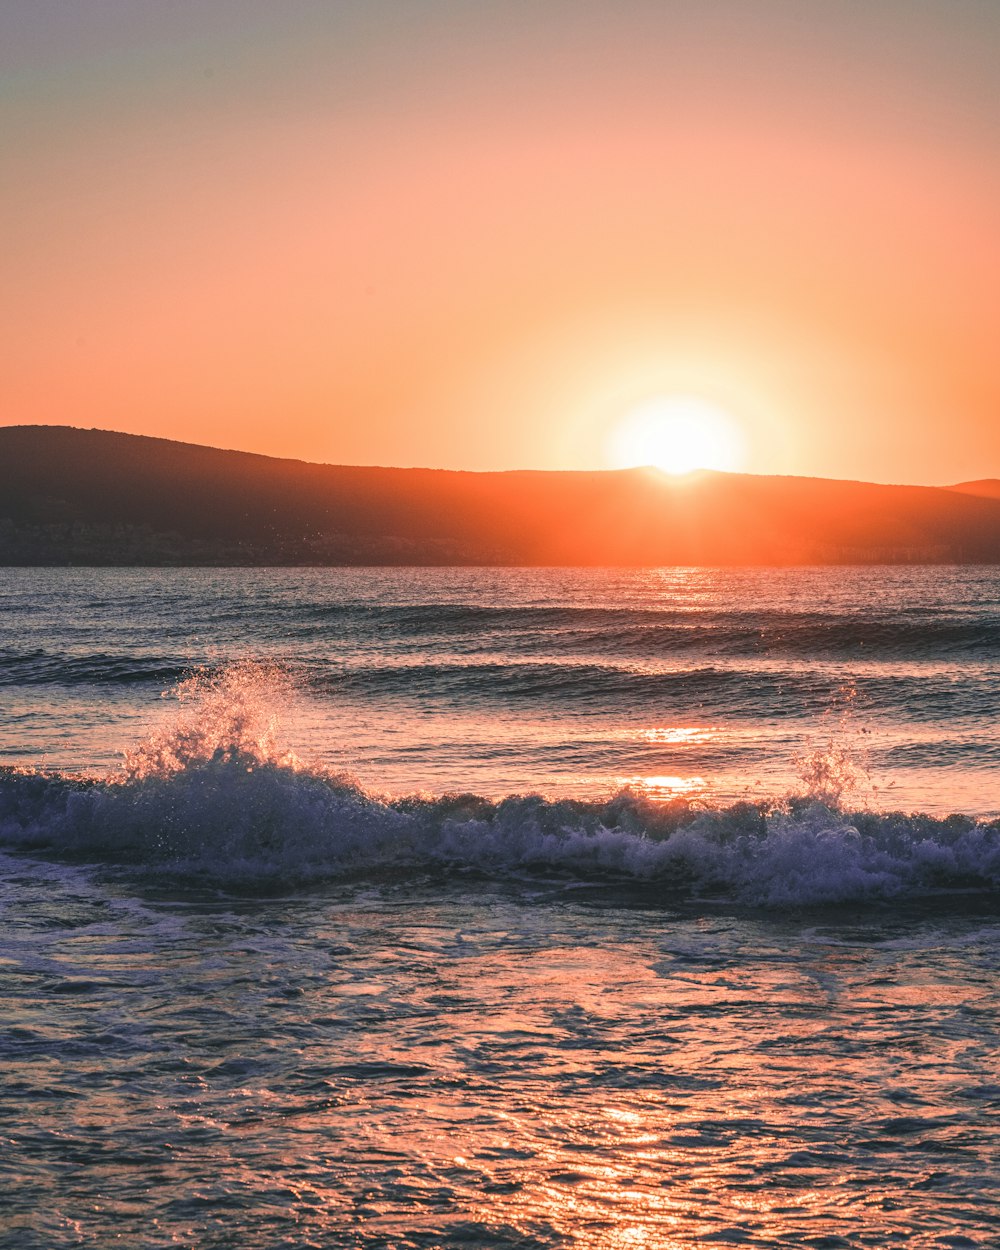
[986,488]
[71,496]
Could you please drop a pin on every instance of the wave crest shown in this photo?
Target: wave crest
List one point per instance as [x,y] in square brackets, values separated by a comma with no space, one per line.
[211,797]
[236,824]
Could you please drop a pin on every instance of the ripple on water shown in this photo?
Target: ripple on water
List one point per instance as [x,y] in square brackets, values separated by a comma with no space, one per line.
[473,1065]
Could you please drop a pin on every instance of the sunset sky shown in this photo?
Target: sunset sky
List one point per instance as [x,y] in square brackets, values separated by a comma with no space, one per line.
[482,235]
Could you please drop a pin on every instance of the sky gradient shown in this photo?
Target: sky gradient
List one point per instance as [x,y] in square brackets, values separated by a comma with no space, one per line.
[478,235]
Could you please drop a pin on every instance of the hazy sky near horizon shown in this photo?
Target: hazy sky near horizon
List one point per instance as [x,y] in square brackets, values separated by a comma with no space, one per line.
[477,235]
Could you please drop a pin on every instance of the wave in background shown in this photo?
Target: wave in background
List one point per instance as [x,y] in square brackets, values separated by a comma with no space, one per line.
[743,690]
[211,797]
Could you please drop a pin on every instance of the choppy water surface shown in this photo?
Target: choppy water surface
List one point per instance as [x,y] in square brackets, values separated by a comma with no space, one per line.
[485,908]
[565,681]
[445,1065]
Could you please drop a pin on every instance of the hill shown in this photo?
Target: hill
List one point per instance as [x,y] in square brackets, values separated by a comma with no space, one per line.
[986,488]
[72,496]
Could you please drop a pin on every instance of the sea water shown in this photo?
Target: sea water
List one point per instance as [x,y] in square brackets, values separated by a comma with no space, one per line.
[483,907]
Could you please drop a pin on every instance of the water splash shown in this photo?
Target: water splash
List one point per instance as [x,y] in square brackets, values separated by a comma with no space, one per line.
[212,797]
[834,765]
[229,715]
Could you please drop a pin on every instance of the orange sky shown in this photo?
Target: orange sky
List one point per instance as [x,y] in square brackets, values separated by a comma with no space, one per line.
[476,235]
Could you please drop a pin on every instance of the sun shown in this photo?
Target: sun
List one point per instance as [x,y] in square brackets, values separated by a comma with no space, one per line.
[678,434]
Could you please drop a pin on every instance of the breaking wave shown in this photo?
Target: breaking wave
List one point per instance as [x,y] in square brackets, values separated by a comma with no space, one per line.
[211,797]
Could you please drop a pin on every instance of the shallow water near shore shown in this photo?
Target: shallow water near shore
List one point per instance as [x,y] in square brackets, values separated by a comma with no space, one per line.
[471,1064]
[485,907]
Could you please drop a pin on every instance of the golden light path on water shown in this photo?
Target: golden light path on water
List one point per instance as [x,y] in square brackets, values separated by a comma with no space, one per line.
[678,735]
[528,1089]
[664,787]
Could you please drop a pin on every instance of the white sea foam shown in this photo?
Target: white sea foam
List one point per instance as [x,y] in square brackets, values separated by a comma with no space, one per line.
[212,797]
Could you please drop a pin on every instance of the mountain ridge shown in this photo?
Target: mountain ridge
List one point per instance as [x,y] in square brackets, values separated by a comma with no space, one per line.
[77,496]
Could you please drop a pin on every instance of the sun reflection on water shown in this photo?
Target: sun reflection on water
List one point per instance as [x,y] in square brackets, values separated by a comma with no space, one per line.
[677,735]
[664,787]
[555,1075]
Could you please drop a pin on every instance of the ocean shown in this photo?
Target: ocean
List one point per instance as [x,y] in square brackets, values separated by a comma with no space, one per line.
[499,907]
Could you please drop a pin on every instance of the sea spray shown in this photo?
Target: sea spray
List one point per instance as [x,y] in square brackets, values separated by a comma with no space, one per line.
[211,796]
[834,763]
[231,713]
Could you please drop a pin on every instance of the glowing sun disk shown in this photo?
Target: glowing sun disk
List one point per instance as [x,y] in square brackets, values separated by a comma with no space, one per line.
[677,434]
